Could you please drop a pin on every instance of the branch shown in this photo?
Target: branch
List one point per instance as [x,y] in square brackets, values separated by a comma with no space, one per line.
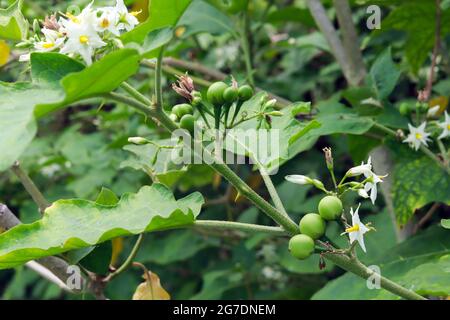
[350,41]
[337,48]
[437,43]
[238,226]
[170,64]
[215,163]
[51,268]
[355,266]
[426,217]
[31,188]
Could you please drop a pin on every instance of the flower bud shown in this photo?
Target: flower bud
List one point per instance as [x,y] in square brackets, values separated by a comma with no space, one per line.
[137,140]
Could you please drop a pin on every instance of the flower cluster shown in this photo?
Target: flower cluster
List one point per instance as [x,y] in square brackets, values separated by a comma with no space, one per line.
[419,136]
[367,188]
[84,34]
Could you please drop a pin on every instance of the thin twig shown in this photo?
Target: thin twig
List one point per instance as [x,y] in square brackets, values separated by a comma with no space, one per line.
[437,43]
[426,217]
[128,261]
[30,187]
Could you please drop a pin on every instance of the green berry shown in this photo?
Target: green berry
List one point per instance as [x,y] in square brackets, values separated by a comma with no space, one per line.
[404,109]
[245,92]
[312,225]
[330,208]
[215,92]
[187,122]
[301,246]
[230,94]
[181,109]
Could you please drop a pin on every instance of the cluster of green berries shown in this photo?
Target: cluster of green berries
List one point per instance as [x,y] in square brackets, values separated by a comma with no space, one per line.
[313,226]
[406,108]
[184,114]
[220,93]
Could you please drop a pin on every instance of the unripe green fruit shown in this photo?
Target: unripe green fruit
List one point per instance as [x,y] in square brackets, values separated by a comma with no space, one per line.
[245,92]
[301,246]
[404,109]
[312,225]
[173,117]
[330,208]
[215,92]
[187,122]
[182,109]
[230,94]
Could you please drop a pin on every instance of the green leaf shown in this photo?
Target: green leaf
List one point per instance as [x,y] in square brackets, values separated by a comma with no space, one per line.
[418,180]
[74,224]
[49,68]
[417,19]
[162,13]
[175,246]
[16,117]
[275,150]
[102,76]
[106,197]
[445,223]
[384,74]
[394,264]
[200,16]
[154,41]
[292,14]
[13,25]
[431,278]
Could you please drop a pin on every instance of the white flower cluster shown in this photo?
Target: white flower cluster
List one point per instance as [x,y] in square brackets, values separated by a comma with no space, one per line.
[366,189]
[85,33]
[418,136]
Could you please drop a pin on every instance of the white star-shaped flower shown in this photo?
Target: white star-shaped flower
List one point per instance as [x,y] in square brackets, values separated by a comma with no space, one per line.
[82,38]
[357,230]
[53,40]
[445,127]
[127,20]
[417,136]
[365,169]
[108,19]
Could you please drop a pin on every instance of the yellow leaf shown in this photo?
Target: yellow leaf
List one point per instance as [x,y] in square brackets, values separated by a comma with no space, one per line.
[4,52]
[151,289]
[117,247]
[441,101]
[141,6]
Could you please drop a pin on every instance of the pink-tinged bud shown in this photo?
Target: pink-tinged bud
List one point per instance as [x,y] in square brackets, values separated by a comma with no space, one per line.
[184,86]
[51,23]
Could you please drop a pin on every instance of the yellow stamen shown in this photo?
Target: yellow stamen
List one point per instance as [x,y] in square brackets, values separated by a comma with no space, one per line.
[72,17]
[418,136]
[448,127]
[84,39]
[48,45]
[135,13]
[104,23]
[353,229]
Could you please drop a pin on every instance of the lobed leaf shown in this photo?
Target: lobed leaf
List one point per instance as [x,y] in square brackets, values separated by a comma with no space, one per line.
[78,223]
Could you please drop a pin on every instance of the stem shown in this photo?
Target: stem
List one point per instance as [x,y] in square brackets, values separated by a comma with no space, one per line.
[423,148]
[385,129]
[30,187]
[135,93]
[158,73]
[435,158]
[443,151]
[426,217]
[238,226]
[270,187]
[355,266]
[128,261]
[437,41]
[357,69]
[246,49]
